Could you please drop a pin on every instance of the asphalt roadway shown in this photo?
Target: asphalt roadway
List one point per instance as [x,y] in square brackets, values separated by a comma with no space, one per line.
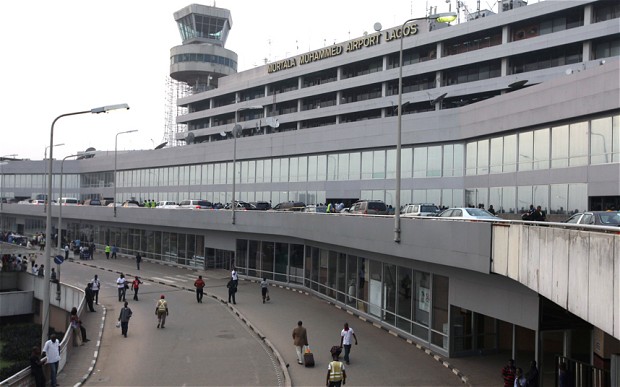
[211,344]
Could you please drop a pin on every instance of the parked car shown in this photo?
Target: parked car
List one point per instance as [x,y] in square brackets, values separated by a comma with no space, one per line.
[92,202]
[290,206]
[369,207]
[467,213]
[598,218]
[196,204]
[130,203]
[262,206]
[167,204]
[420,209]
[315,208]
[69,202]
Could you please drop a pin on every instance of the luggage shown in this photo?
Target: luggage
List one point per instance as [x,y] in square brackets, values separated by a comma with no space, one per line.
[308,358]
[336,350]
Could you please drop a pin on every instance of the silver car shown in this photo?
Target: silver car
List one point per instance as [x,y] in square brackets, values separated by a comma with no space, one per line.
[467,213]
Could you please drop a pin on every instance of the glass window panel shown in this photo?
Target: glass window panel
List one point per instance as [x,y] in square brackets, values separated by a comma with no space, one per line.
[541,149]
[615,136]
[366,165]
[243,171]
[321,168]
[251,172]
[510,153]
[541,196]
[404,300]
[559,147]
[440,311]
[354,166]
[390,295]
[343,166]
[406,162]
[459,159]
[524,195]
[312,168]
[275,167]
[577,197]
[508,200]
[294,169]
[302,169]
[600,137]
[352,280]
[259,171]
[526,151]
[559,199]
[578,144]
[497,153]
[378,165]
[472,157]
[434,161]
[332,167]
[483,157]
[267,171]
[421,304]
[448,160]
[495,198]
[419,161]
[390,163]
[284,169]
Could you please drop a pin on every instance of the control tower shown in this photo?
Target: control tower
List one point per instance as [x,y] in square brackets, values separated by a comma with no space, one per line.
[202,59]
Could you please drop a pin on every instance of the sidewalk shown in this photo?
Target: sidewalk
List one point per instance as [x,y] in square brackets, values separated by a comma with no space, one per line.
[381,358]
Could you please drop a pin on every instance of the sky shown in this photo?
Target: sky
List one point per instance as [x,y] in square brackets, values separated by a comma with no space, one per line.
[74,55]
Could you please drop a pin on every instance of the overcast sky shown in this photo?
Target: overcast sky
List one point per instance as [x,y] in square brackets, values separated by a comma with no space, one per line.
[73,55]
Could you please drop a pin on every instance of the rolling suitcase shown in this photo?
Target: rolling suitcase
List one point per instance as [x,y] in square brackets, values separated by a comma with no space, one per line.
[308,358]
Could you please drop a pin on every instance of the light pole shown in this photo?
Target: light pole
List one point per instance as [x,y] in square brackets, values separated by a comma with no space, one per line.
[48,220]
[115,153]
[441,18]
[1,191]
[236,131]
[47,200]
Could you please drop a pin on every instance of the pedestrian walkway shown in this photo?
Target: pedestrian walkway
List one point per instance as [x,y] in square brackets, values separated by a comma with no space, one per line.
[381,358]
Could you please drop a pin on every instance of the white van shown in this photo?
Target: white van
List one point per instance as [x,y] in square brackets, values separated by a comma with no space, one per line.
[167,204]
[69,202]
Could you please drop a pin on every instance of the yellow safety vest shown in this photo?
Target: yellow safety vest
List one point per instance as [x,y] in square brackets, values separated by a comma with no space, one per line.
[161,305]
[335,372]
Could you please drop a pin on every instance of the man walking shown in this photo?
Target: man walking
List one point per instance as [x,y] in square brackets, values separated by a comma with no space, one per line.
[121,284]
[95,288]
[124,317]
[51,349]
[114,251]
[336,375]
[66,252]
[89,296]
[199,284]
[232,290]
[300,340]
[161,311]
[138,260]
[235,276]
[345,340]
[107,251]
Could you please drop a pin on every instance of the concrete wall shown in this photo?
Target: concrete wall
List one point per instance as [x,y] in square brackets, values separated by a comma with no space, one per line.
[577,269]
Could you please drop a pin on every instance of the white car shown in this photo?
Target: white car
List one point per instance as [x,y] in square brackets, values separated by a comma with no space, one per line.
[467,214]
[167,204]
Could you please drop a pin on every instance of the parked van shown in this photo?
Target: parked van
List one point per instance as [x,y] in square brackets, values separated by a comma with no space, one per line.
[290,206]
[196,204]
[369,207]
[420,209]
[167,204]
[69,202]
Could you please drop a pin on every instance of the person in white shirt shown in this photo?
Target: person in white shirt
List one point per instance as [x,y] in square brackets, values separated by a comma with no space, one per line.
[121,284]
[95,287]
[345,340]
[235,276]
[51,349]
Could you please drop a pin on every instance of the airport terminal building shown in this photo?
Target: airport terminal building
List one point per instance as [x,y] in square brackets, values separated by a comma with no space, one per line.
[509,109]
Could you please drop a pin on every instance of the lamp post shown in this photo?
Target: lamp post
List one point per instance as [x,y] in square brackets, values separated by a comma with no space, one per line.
[48,220]
[47,200]
[441,18]
[237,129]
[115,154]
[1,191]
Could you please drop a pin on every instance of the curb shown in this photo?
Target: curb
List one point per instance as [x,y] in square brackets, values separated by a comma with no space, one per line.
[97,347]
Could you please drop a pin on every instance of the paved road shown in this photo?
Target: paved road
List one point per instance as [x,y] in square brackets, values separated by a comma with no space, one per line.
[204,344]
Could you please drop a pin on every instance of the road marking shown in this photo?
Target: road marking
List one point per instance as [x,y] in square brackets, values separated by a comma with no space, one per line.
[163,279]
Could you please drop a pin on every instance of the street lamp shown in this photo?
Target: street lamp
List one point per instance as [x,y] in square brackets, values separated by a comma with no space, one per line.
[441,18]
[115,152]
[48,221]
[1,191]
[236,131]
[44,158]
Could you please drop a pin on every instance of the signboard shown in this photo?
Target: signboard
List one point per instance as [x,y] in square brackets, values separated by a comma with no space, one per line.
[59,259]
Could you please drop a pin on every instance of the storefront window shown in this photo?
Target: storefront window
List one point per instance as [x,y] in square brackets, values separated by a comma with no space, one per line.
[253,258]
[390,289]
[281,261]
[341,281]
[421,304]
[404,299]
[296,264]
[439,332]
[267,254]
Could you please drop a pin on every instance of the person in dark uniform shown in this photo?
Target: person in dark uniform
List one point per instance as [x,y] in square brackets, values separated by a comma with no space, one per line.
[36,367]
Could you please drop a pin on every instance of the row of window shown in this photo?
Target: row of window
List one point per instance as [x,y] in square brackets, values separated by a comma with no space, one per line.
[206,58]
